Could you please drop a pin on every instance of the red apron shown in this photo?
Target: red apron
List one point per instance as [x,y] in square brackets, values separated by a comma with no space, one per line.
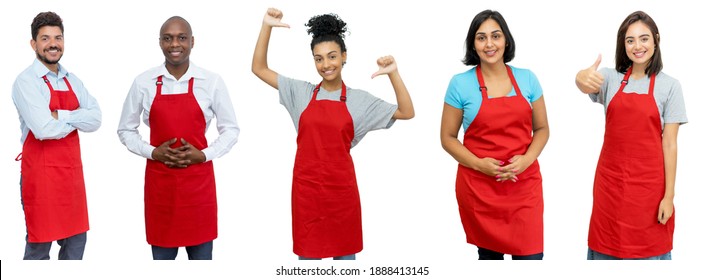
[504,217]
[325,198]
[180,204]
[629,182]
[53,190]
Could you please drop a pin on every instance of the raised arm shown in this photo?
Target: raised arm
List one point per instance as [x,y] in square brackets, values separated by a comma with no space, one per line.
[387,65]
[259,63]
[589,80]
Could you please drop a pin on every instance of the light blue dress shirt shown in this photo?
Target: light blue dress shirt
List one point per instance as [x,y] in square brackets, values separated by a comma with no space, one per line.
[31,96]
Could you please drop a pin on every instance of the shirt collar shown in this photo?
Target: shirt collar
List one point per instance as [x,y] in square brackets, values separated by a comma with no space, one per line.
[192,72]
[41,70]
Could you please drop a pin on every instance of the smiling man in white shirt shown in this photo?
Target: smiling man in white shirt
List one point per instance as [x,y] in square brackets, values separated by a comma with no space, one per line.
[177,101]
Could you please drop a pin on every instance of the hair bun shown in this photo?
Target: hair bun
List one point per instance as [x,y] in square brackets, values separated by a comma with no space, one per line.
[327,24]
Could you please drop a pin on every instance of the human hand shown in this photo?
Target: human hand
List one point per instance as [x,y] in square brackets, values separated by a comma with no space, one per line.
[516,165]
[188,154]
[666,210]
[488,166]
[273,18]
[589,80]
[386,65]
[164,153]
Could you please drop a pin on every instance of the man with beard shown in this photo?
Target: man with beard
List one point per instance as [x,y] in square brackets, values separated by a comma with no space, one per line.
[177,100]
[53,105]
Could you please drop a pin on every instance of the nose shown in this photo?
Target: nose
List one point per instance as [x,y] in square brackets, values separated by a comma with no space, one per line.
[325,63]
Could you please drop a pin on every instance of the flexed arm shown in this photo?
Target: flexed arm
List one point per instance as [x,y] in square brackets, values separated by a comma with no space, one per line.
[259,63]
[387,65]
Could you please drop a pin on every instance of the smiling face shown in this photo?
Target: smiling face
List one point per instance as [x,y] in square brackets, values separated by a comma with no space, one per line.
[639,44]
[176,40]
[329,59]
[489,42]
[48,45]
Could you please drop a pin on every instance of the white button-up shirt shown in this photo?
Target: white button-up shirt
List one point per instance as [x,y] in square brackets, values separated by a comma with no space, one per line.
[210,93]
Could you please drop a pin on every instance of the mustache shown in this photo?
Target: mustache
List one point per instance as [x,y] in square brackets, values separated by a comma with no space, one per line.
[54,48]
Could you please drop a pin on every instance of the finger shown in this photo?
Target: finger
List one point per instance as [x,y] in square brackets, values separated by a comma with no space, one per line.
[280,24]
[376,74]
[169,142]
[595,65]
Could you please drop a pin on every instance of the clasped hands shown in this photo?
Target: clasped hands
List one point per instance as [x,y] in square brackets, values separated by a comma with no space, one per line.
[503,171]
[179,157]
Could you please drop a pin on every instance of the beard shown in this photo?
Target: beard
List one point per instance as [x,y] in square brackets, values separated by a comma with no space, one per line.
[47,60]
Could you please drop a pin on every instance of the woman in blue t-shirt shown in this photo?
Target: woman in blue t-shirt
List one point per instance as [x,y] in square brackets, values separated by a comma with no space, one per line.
[498,185]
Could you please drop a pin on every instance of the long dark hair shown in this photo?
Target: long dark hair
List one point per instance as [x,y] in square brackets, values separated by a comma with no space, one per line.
[622,62]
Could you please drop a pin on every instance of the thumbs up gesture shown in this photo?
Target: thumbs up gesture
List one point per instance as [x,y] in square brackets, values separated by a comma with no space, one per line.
[589,80]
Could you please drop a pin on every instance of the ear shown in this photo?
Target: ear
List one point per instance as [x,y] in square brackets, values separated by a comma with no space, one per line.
[33,44]
[344,57]
[192,41]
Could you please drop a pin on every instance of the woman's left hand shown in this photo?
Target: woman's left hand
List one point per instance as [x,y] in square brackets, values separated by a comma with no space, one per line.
[666,210]
[386,65]
[516,165]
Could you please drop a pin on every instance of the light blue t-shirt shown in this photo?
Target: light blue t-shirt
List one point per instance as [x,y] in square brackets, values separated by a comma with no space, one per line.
[463,91]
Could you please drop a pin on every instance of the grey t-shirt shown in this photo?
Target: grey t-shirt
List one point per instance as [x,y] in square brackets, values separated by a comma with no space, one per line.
[667,93]
[367,111]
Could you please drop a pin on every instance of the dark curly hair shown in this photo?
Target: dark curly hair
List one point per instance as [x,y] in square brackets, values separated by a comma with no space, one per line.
[327,28]
[45,19]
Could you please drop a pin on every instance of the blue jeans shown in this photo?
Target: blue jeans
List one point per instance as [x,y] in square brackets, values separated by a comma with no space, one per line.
[71,248]
[342,258]
[593,255]
[197,252]
[485,254]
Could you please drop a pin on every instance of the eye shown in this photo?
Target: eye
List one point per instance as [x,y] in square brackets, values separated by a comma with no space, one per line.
[629,41]
[318,60]
[166,39]
[182,38]
[481,38]
[645,39]
[496,36]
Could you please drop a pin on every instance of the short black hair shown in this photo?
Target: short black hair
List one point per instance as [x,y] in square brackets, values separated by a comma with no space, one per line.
[622,62]
[45,19]
[327,28]
[471,57]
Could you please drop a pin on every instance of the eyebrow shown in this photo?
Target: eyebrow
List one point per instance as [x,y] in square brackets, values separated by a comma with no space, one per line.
[492,32]
[327,53]
[643,35]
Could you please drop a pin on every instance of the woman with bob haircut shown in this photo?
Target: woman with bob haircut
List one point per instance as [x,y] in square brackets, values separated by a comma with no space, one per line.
[633,189]
[330,118]
[502,111]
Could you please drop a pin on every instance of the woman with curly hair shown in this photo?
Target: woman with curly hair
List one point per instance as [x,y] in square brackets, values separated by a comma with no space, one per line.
[330,119]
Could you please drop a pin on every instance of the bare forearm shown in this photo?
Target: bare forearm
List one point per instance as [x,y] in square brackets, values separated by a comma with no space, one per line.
[405,103]
[670,157]
[459,152]
[539,140]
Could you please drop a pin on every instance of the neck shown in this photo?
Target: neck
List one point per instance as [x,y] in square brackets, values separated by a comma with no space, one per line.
[332,85]
[177,70]
[638,71]
[493,69]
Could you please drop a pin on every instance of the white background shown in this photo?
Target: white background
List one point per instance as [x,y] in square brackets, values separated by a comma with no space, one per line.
[406,179]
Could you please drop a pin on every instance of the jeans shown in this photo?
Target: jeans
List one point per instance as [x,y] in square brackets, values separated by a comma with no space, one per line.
[197,252]
[593,255]
[343,258]
[485,254]
[71,248]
